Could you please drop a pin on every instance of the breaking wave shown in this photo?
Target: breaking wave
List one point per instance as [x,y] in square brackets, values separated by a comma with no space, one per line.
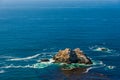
[26,58]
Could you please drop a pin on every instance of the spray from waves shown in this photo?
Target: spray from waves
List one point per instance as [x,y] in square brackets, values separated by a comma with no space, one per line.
[2,71]
[22,59]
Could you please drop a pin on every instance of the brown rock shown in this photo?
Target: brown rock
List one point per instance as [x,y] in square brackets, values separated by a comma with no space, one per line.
[71,56]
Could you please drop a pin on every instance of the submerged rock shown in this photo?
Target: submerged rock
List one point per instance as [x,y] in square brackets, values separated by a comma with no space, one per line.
[71,56]
[74,71]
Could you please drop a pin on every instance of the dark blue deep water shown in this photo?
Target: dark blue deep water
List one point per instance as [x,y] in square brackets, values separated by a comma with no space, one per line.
[28,35]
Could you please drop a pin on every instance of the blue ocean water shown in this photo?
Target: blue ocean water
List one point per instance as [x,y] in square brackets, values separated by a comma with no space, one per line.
[28,35]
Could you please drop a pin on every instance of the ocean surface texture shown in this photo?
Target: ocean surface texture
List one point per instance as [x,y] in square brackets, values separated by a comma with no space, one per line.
[28,35]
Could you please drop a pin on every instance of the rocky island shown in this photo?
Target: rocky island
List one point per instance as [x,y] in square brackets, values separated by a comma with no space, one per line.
[71,56]
[70,60]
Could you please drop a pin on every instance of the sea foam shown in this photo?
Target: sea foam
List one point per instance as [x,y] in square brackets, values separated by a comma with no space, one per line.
[43,64]
[26,58]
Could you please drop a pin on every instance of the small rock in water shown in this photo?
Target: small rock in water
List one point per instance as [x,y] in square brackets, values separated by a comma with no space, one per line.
[44,60]
[110,67]
[103,49]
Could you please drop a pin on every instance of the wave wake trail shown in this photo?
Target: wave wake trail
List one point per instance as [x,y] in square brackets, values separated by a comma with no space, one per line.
[26,58]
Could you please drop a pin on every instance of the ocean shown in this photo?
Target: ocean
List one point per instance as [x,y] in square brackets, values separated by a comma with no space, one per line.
[30,34]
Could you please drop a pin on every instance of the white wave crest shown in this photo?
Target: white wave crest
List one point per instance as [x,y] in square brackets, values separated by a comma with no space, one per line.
[88,69]
[26,58]
[19,66]
[2,71]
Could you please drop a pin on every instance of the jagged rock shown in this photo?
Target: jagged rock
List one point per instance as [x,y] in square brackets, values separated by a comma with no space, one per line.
[71,56]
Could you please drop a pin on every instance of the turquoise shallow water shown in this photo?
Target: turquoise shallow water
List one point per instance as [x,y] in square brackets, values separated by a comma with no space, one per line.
[28,35]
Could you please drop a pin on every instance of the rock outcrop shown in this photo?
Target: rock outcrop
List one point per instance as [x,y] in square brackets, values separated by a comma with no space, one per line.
[71,56]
